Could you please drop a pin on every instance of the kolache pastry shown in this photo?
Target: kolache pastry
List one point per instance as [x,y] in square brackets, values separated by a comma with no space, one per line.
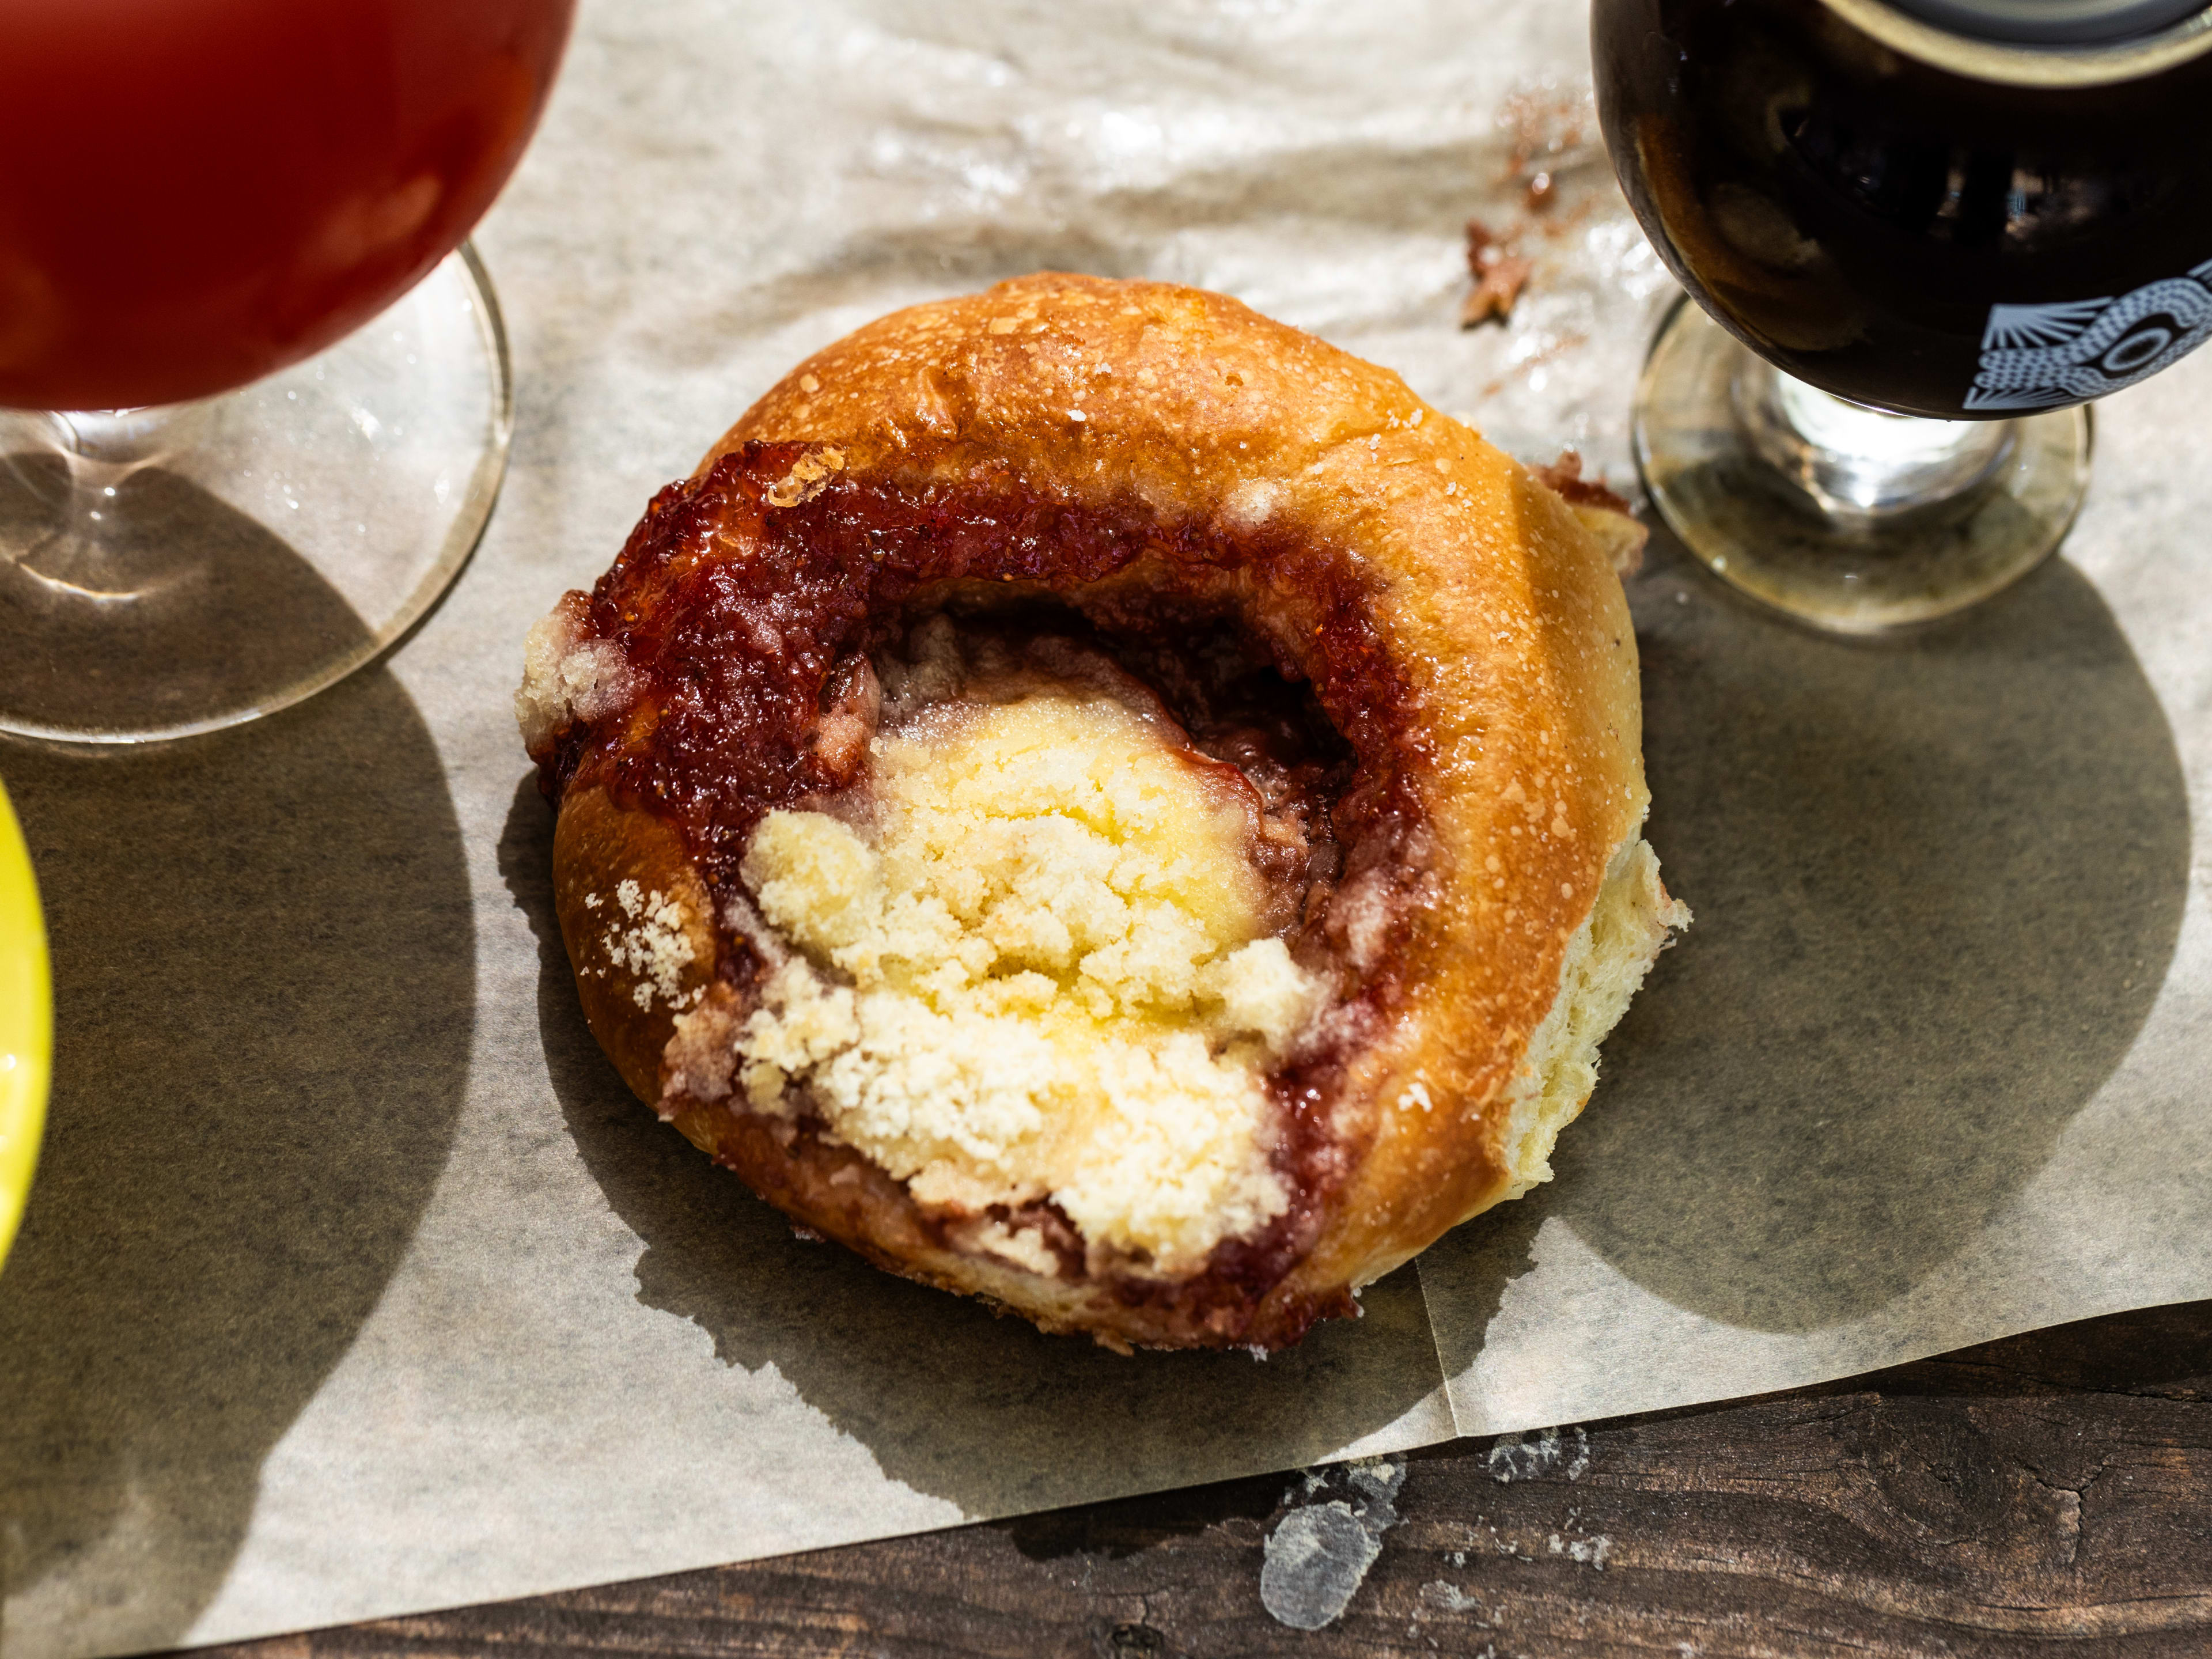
[1100,801]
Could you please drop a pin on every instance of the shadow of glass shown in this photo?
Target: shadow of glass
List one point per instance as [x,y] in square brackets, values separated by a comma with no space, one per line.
[175,606]
[1938,881]
[982,1410]
[264,979]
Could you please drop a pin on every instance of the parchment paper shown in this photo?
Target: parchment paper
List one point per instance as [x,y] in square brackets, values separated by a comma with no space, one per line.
[354,1282]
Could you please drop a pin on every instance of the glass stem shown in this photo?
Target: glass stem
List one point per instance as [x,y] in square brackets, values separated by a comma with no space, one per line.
[65,473]
[1859,463]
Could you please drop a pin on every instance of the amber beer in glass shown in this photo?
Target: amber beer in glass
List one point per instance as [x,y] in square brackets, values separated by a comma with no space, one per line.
[199,195]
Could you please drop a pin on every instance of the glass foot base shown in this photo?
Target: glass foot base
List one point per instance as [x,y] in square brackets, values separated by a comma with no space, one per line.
[171,571]
[1845,517]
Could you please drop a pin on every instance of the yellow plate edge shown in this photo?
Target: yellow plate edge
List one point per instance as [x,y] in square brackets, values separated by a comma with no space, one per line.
[26,1023]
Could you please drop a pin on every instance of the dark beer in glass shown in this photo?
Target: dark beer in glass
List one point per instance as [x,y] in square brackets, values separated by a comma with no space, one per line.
[1983,214]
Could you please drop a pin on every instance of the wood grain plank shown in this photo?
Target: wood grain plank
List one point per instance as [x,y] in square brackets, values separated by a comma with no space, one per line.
[2047,1494]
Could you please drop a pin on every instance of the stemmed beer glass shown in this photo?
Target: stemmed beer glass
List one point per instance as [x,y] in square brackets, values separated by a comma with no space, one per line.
[222,486]
[1921,236]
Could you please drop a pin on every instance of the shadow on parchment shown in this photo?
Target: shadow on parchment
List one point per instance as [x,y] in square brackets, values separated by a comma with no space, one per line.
[222,631]
[264,981]
[956,1403]
[1938,881]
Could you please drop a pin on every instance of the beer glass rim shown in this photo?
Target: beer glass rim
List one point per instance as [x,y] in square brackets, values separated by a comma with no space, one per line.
[2053,67]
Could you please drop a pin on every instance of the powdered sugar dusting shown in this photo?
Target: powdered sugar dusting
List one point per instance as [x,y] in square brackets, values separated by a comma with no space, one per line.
[654,949]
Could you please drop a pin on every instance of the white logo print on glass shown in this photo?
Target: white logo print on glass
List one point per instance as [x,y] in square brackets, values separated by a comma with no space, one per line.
[2045,357]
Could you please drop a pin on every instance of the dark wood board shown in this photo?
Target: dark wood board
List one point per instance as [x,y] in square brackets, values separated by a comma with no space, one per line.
[2047,1494]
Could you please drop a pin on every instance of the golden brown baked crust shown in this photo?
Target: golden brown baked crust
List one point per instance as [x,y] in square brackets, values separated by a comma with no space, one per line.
[1501,715]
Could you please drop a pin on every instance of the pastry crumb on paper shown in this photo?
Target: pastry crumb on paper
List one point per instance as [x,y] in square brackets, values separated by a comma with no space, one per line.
[1499,275]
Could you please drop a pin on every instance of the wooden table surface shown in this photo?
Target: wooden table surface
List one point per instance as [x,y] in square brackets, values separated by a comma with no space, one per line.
[2047,1494]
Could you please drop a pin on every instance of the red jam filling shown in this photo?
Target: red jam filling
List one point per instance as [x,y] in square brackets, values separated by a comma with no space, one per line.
[741,621]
